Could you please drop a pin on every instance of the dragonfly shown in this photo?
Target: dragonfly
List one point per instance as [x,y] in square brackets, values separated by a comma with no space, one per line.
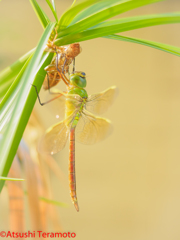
[79,122]
[60,63]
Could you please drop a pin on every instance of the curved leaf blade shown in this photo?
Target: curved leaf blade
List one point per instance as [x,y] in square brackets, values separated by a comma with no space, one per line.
[132,23]
[120,25]
[92,9]
[24,105]
[4,88]
[109,12]
[50,201]
[43,18]
[97,7]
[160,46]
[10,97]
[12,71]
[11,179]
[53,9]
[53,202]
[74,2]
[68,16]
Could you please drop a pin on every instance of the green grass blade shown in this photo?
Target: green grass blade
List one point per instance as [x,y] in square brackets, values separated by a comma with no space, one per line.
[24,104]
[73,3]
[11,179]
[4,88]
[120,25]
[160,46]
[5,85]
[54,5]
[53,9]
[132,23]
[96,7]
[43,18]
[9,101]
[12,71]
[68,16]
[12,91]
[53,202]
[109,12]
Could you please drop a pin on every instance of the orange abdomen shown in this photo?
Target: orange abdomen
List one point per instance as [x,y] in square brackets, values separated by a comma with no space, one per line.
[72,176]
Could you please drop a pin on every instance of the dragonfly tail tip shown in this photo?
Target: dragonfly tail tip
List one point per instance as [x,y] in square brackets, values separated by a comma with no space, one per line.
[76,206]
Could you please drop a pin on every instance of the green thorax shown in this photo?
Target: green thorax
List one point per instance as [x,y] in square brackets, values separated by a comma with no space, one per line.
[77,84]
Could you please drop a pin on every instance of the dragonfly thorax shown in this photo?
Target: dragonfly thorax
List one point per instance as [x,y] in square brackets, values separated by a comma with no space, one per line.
[80,91]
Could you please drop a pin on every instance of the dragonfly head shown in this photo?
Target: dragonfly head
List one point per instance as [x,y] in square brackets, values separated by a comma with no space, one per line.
[78,79]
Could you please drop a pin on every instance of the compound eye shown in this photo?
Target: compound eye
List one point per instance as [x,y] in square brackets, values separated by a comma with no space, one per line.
[78,81]
[81,74]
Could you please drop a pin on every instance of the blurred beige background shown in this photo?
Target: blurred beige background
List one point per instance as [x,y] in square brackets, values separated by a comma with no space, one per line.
[128,186]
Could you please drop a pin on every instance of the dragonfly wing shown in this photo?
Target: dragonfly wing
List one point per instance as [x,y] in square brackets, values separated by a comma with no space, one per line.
[91,129]
[100,102]
[56,136]
[54,139]
[58,107]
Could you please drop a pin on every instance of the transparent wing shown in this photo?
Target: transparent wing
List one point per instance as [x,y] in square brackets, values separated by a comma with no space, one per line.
[57,107]
[63,101]
[100,102]
[91,129]
[56,136]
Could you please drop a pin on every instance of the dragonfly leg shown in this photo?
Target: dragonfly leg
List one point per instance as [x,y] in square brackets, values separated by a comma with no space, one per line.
[57,61]
[65,78]
[64,65]
[73,65]
[42,104]
[61,73]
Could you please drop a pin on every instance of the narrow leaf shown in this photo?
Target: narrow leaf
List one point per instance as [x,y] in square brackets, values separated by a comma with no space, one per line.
[11,179]
[131,23]
[57,203]
[73,3]
[53,4]
[108,12]
[24,105]
[67,17]
[12,71]
[160,46]
[43,18]
[96,7]
[53,9]
[11,94]
[4,88]
[120,25]
[50,201]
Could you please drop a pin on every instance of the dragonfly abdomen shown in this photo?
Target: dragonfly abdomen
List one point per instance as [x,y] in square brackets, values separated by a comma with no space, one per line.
[72,176]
